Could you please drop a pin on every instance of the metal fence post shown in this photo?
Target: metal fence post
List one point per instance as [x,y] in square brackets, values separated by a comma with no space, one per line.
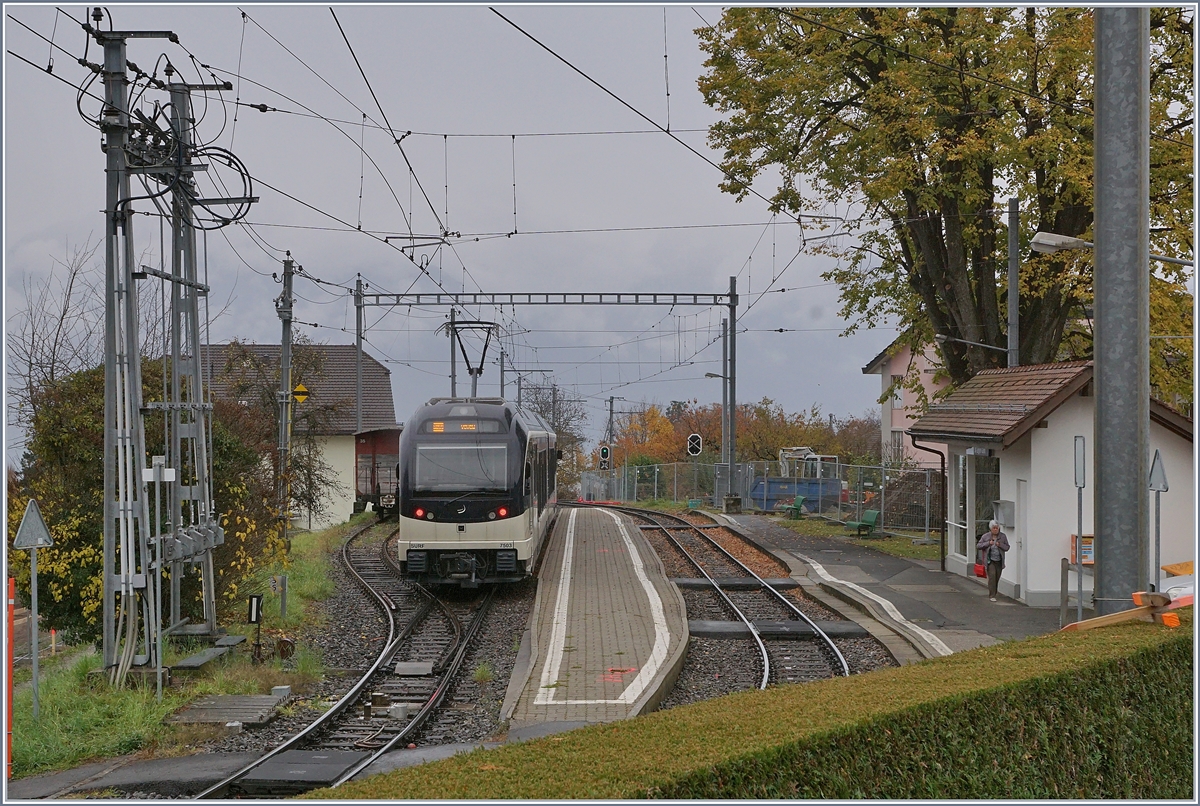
[927,504]
[882,497]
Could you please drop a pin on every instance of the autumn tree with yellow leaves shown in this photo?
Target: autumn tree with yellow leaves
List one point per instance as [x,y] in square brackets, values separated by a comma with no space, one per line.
[901,132]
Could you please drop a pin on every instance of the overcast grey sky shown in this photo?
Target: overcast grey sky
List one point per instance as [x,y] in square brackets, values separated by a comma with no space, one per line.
[453,75]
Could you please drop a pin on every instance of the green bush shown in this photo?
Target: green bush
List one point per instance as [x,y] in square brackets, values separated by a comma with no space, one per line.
[1116,729]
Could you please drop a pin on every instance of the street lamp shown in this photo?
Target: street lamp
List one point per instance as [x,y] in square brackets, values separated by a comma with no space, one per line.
[725,457]
[1051,242]
[940,339]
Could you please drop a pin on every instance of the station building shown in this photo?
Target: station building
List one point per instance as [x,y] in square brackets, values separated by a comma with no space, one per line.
[1010,434]
[329,372]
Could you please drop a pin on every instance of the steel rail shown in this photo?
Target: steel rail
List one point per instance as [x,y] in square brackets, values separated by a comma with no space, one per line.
[221,788]
[829,642]
[785,600]
[452,668]
[651,516]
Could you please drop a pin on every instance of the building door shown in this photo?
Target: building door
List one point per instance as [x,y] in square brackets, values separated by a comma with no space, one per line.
[1022,519]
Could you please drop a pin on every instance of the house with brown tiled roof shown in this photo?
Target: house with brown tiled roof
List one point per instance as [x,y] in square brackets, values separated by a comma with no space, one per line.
[329,372]
[1011,435]
[901,407]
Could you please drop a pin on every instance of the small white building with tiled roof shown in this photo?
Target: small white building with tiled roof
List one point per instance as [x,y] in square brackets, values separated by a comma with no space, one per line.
[1011,435]
[329,372]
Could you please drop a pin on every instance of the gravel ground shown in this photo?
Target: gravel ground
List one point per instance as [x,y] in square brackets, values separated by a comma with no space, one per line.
[472,712]
[712,668]
[864,654]
[705,605]
[352,645]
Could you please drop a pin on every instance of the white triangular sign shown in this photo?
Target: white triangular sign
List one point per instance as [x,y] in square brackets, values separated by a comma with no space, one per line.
[1158,474]
[32,533]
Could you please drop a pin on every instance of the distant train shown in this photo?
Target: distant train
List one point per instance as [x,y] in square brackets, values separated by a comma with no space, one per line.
[476,493]
[376,460]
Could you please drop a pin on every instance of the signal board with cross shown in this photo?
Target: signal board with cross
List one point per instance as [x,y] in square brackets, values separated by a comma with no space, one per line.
[695,444]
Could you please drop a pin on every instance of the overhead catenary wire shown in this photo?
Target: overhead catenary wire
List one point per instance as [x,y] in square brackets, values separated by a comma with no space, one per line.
[797,217]
[391,130]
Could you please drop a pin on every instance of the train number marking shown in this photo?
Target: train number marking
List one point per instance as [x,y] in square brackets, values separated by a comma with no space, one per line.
[506,545]
[416,545]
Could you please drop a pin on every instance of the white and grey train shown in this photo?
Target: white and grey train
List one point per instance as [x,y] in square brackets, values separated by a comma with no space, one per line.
[477,491]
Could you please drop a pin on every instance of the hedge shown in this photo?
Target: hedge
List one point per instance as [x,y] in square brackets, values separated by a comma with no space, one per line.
[1103,713]
[1120,728]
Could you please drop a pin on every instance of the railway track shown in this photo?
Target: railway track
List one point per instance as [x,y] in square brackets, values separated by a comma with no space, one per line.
[745,595]
[426,643]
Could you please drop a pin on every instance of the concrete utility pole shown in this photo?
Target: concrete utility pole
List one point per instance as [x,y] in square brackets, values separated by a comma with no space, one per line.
[1014,289]
[1122,305]
[358,337]
[284,307]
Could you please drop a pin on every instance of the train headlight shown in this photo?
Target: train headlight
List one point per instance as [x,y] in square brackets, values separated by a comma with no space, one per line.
[502,512]
[491,516]
[428,516]
[420,513]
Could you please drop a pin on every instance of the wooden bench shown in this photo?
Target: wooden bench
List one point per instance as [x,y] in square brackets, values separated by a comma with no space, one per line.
[794,510]
[869,521]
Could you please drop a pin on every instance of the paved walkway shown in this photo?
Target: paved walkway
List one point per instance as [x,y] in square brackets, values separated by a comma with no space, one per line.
[609,631]
[942,611]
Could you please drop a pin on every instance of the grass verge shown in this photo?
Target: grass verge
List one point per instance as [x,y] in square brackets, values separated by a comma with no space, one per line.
[82,718]
[898,545]
[1104,713]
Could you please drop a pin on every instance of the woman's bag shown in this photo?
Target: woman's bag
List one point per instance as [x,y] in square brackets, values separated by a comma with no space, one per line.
[980,571]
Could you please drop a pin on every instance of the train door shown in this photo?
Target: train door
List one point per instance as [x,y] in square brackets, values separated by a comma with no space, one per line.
[541,470]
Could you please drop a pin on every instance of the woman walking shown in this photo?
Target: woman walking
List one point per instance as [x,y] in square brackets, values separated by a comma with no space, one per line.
[992,546]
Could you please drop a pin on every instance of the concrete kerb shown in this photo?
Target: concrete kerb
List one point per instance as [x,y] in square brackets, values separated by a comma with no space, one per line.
[674,665]
[528,651]
[904,645]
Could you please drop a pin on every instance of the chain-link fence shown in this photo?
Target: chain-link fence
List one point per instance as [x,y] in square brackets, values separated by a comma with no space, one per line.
[908,499]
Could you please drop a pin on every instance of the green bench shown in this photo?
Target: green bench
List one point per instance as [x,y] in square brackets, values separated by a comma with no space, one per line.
[870,520]
[794,510]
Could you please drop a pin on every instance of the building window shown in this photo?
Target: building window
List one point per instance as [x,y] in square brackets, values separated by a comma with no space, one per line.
[897,401]
[897,445]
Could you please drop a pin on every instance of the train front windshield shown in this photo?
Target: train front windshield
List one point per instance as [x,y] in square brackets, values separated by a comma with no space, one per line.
[461,467]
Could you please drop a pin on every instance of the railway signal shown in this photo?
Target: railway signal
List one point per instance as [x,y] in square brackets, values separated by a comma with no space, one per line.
[695,444]
[300,393]
[604,457]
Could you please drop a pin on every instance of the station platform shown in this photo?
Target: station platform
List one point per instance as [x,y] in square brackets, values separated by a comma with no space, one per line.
[608,634]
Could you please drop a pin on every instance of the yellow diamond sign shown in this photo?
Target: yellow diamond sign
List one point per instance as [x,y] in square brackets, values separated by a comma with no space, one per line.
[300,393]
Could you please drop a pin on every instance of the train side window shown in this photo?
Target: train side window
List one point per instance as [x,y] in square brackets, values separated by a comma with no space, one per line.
[528,478]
